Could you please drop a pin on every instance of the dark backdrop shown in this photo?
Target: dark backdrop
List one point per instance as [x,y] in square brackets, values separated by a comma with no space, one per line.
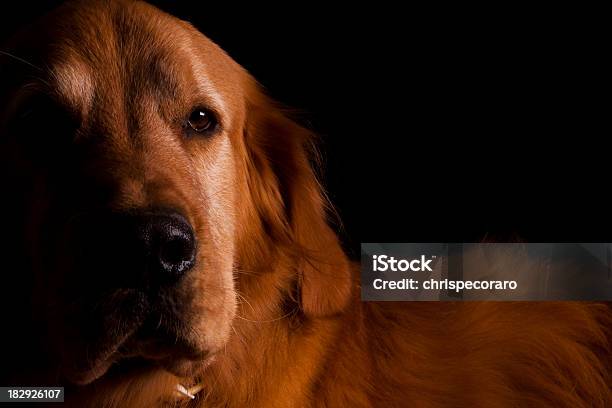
[441,124]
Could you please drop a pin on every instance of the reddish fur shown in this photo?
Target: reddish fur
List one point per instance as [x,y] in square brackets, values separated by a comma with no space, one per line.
[338,351]
[303,338]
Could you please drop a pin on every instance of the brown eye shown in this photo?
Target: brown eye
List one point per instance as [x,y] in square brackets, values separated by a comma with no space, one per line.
[201,120]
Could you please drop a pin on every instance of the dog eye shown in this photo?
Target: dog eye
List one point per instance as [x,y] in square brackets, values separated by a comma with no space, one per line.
[202,120]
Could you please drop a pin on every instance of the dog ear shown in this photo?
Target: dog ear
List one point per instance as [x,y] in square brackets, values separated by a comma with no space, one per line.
[293,208]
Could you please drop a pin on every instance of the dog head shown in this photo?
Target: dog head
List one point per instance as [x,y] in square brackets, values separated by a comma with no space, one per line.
[145,169]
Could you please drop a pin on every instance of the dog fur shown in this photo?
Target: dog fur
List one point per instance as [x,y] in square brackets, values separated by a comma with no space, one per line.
[286,321]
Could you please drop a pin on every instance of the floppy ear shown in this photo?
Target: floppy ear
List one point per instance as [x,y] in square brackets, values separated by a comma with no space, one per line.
[292,207]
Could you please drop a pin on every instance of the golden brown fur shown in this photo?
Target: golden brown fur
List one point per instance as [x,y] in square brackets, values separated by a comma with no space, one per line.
[294,332]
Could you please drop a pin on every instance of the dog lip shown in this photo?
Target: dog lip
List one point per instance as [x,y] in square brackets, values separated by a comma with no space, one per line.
[160,344]
[86,360]
[157,349]
[179,359]
[187,367]
[100,366]
[94,371]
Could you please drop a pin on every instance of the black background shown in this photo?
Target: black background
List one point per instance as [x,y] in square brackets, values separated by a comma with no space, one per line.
[439,124]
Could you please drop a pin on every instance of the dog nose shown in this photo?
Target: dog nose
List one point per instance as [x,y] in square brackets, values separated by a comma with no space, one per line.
[135,249]
[168,244]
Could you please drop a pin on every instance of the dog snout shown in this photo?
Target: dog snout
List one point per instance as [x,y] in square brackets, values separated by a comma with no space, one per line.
[167,243]
[136,249]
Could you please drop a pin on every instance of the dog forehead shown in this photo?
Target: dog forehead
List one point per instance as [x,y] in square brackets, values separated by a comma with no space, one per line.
[124,47]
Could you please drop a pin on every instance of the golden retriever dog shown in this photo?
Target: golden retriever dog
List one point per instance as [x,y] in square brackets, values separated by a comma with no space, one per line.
[166,244]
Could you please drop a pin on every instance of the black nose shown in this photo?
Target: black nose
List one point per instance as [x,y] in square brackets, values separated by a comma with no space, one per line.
[135,249]
[168,245]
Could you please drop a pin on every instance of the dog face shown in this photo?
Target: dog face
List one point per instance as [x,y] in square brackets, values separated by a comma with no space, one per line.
[127,138]
[145,169]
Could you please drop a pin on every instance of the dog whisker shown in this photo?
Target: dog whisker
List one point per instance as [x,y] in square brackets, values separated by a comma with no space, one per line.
[159,322]
[241,338]
[242,272]
[20,59]
[290,313]
[245,300]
